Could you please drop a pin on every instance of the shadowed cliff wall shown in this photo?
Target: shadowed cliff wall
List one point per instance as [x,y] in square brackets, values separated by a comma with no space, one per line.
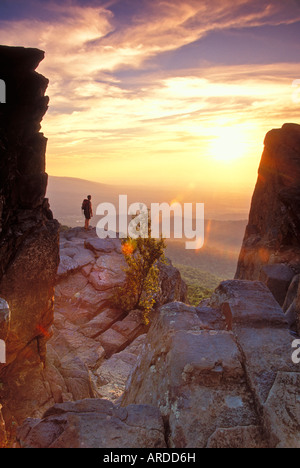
[29,253]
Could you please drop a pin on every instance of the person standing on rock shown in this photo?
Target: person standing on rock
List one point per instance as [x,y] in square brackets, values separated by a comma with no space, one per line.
[87,211]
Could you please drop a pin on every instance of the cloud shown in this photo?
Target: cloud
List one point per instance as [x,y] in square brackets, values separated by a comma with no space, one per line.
[98,112]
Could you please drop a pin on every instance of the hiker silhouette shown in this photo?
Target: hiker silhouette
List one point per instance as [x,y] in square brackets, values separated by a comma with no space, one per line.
[87,211]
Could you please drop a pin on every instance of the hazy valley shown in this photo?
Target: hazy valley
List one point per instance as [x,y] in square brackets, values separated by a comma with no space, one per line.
[202,269]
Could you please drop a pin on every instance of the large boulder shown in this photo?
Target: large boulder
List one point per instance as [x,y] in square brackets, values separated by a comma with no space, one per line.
[194,375]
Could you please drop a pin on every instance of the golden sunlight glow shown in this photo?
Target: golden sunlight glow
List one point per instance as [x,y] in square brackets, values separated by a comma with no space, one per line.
[118,116]
[229,145]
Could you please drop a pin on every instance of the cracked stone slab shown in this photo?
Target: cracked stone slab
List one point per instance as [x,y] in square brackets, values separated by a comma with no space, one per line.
[99,324]
[94,423]
[266,351]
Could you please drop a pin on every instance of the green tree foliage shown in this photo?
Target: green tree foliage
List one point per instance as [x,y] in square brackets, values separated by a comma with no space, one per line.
[201,284]
[142,274]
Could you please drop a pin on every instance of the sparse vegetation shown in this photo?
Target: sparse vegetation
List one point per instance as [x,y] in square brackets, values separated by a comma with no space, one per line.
[63,227]
[201,284]
[142,274]
[219,262]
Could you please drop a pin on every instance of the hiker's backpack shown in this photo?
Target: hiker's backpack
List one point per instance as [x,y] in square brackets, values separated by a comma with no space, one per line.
[85,204]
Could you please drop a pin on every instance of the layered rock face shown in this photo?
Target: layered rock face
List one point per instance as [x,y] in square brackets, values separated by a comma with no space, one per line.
[271,247]
[29,250]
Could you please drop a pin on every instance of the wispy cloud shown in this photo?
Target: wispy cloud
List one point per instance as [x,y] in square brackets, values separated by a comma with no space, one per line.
[99,114]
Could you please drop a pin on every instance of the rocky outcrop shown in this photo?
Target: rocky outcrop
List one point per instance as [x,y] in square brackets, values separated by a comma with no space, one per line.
[94,424]
[104,341]
[91,269]
[271,247]
[219,373]
[217,376]
[94,347]
[29,251]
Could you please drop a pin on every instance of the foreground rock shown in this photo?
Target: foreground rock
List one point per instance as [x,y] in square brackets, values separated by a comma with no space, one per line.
[213,371]
[29,250]
[95,424]
[271,247]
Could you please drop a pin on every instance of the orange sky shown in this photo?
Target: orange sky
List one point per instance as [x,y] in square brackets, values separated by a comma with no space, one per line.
[161,93]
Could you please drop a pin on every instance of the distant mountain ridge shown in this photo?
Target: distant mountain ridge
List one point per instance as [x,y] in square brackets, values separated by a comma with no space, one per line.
[66,195]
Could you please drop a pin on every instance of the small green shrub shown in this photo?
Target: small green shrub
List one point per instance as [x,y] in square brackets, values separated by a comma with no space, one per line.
[142,274]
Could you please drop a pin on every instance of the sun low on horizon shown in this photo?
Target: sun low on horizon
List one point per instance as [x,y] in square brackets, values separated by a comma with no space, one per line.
[162,93]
